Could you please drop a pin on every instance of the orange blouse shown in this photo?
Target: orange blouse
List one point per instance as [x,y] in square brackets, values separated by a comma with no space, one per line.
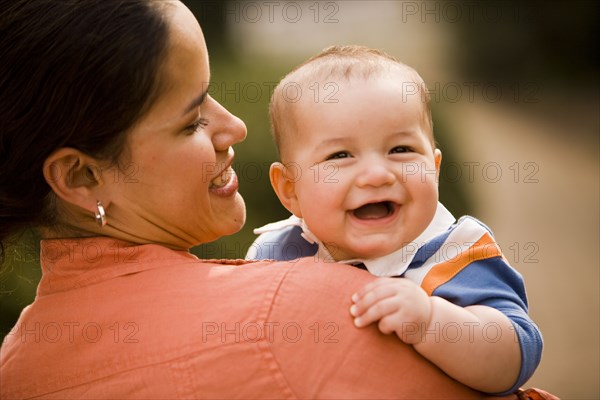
[116,320]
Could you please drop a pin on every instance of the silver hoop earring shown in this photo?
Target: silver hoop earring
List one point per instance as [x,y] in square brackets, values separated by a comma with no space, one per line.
[100,214]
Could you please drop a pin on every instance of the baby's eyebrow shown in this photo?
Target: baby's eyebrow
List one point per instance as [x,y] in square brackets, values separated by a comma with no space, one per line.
[409,134]
[333,142]
[403,133]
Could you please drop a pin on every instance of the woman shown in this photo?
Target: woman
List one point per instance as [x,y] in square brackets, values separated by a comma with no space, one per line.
[111,146]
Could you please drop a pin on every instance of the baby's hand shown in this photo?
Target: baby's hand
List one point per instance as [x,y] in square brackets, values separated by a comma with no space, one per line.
[400,305]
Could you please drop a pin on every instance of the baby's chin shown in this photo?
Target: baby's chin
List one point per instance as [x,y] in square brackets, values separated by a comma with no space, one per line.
[362,252]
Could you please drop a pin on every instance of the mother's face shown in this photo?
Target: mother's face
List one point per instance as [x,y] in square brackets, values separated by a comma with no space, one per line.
[179,188]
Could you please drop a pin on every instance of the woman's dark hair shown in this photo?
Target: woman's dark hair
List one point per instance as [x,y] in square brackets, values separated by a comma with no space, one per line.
[73,73]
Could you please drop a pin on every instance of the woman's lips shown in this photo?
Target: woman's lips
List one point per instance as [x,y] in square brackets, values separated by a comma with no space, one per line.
[226,184]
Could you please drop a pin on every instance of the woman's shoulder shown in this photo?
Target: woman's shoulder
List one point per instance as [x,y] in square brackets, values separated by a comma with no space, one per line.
[304,270]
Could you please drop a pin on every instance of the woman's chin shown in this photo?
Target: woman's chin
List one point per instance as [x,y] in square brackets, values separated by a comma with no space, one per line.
[235,217]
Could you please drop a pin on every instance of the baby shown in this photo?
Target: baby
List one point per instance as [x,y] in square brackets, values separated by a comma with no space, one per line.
[359,171]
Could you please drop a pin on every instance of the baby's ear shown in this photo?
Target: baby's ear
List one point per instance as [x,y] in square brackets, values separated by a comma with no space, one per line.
[283,179]
[437,154]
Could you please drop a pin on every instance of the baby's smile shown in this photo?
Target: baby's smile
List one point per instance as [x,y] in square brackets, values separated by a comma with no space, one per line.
[377,210]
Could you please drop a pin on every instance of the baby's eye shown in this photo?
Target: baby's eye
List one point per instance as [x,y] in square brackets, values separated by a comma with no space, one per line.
[339,154]
[401,149]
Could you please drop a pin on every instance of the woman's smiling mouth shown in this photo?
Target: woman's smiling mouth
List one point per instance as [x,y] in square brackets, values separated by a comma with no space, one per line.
[224,184]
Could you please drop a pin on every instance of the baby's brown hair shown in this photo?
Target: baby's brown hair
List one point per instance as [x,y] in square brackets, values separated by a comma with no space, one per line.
[337,63]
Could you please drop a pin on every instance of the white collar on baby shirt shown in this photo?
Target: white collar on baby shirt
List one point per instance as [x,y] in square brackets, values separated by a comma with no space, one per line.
[393,264]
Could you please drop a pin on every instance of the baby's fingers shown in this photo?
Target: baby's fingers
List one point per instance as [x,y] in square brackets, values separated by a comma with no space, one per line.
[377,311]
[377,293]
[371,286]
[373,292]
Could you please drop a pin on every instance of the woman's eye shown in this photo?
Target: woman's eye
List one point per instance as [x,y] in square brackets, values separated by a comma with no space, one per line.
[401,149]
[200,123]
[338,155]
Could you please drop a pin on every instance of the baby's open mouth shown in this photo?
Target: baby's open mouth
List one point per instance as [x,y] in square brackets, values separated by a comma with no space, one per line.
[374,210]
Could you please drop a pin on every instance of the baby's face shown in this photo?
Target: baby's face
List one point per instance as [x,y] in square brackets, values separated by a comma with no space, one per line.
[367,173]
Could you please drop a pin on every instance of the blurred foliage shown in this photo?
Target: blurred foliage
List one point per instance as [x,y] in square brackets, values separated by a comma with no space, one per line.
[19,276]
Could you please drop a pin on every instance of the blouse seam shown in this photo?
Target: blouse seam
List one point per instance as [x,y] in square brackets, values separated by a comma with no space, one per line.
[265,346]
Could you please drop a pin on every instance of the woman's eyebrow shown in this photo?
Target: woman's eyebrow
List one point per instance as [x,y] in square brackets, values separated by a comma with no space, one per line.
[196,102]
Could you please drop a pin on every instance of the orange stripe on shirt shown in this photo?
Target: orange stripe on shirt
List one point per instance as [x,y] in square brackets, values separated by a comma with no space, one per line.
[484,248]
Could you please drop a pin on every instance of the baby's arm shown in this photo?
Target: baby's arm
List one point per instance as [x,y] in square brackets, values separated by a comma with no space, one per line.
[458,340]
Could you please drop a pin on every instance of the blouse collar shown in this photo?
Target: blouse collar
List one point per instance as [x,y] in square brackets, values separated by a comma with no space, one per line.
[73,263]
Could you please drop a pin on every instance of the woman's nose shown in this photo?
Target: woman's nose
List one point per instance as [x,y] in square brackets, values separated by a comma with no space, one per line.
[227,129]
[375,174]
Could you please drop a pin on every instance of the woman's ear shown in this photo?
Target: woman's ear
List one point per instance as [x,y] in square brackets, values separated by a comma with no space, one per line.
[75,178]
[283,179]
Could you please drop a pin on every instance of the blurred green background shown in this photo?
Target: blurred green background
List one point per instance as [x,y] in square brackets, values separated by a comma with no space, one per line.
[515,92]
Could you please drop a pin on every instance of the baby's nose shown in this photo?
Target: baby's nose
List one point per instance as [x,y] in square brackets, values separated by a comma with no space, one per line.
[375,174]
